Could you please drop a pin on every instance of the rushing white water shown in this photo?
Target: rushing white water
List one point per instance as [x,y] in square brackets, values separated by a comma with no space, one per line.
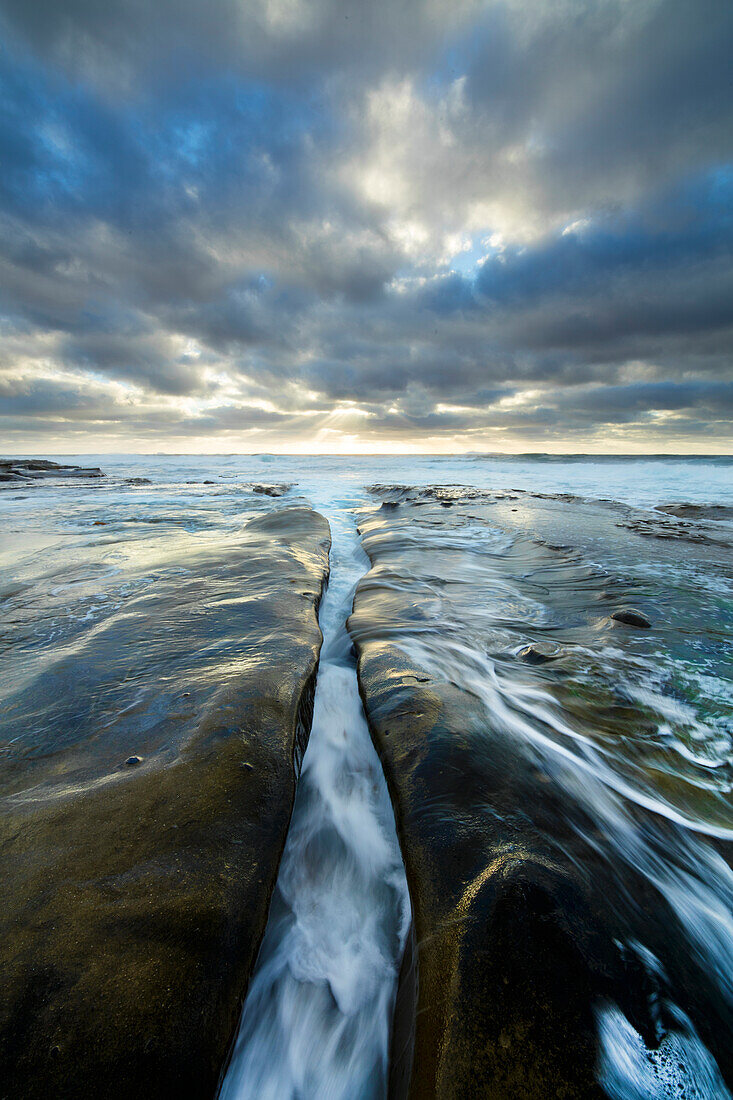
[680,1069]
[317,1018]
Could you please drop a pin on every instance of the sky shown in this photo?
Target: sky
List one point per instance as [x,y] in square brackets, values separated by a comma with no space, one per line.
[366,226]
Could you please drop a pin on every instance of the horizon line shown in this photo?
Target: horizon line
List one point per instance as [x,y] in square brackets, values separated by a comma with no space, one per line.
[375,454]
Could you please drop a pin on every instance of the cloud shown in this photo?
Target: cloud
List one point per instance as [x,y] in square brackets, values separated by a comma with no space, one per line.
[412,221]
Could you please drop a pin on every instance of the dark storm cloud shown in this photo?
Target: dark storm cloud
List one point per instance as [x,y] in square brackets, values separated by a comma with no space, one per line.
[143,359]
[584,261]
[419,218]
[20,399]
[125,45]
[614,94]
[656,285]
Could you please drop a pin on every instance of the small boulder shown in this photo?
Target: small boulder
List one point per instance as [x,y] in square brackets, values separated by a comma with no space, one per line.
[271,490]
[133,761]
[630,617]
[539,653]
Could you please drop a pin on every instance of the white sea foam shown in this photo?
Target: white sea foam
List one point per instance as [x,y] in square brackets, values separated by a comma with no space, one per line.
[680,1068]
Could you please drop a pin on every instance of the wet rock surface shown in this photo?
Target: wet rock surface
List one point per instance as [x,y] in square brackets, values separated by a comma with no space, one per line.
[148,778]
[23,471]
[278,490]
[685,510]
[507,957]
[540,653]
[533,882]
[630,617]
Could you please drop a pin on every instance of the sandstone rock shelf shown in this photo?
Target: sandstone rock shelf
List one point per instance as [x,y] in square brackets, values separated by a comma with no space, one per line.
[531,881]
[135,898]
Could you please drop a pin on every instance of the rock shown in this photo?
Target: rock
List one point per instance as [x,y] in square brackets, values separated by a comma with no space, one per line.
[519,916]
[21,469]
[133,912]
[138,481]
[132,761]
[699,511]
[508,944]
[271,490]
[652,526]
[629,617]
[539,653]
